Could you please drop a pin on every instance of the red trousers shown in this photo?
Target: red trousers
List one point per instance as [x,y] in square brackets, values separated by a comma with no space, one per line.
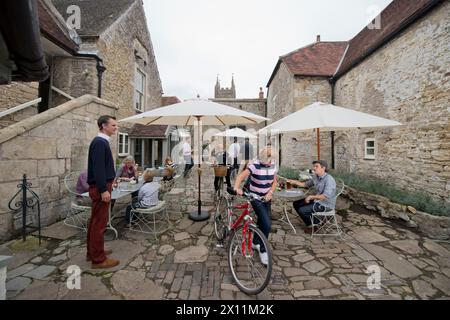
[97,225]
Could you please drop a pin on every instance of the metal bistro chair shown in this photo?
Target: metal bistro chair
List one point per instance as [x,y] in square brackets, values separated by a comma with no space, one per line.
[328,223]
[79,212]
[154,220]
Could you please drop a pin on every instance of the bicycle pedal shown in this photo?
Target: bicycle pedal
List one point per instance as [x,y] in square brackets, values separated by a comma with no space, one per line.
[219,245]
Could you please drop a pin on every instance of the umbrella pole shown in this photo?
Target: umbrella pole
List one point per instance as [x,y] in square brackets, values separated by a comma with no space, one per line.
[318,144]
[199,215]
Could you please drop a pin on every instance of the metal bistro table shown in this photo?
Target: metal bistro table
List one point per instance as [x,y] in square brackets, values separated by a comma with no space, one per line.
[124,189]
[288,196]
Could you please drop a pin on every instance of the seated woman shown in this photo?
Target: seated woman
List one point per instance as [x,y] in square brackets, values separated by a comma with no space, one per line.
[128,170]
[167,182]
[169,163]
[147,196]
[168,173]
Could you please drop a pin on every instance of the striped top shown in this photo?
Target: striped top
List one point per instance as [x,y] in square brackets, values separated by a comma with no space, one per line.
[261,177]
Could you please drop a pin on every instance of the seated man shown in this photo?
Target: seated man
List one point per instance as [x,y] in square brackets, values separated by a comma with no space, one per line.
[325,198]
[147,196]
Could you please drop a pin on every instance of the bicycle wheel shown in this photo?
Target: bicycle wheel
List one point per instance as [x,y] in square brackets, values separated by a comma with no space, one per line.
[220,219]
[249,274]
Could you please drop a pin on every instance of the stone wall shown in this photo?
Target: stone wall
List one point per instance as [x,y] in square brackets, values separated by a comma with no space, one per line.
[408,81]
[288,94]
[46,147]
[280,95]
[15,94]
[75,76]
[432,226]
[117,46]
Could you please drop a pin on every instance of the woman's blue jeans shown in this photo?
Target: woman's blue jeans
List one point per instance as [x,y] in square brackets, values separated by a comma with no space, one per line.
[263,212]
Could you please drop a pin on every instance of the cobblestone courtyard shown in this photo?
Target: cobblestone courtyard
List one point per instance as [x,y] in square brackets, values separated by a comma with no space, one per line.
[184,263]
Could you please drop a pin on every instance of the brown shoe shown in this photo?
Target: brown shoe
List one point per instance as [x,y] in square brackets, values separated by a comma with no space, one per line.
[108,263]
[107,252]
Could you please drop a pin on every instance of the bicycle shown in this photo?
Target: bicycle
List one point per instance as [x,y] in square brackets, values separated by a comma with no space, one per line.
[249,274]
[219,199]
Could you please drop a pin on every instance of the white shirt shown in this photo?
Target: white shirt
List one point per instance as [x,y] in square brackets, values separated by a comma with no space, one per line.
[233,150]
[104,136]
[186,149]
[148,194]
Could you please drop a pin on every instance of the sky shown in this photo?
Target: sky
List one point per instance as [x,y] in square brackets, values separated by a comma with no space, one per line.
[197,40]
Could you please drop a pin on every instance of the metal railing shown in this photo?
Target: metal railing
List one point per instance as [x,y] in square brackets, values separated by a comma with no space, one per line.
[23,203]
[20,107]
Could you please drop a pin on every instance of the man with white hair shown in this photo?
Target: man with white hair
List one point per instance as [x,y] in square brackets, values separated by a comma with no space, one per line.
[263,182]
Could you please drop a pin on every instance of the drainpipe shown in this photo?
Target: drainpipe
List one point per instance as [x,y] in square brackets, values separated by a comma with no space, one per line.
[100,69]
[333,84]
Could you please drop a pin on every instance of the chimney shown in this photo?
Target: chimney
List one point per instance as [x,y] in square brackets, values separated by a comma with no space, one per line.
[261,93]
[318,38]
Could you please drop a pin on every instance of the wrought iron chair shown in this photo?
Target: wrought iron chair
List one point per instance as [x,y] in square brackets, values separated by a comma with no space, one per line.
[79,212]
[328,224]
[154,220]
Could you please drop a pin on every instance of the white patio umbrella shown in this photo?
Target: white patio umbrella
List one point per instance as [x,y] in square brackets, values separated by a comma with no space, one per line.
[327,117]
[235,132]
[187,113]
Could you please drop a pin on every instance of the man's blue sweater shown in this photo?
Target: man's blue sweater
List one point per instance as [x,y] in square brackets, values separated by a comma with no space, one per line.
[100,164]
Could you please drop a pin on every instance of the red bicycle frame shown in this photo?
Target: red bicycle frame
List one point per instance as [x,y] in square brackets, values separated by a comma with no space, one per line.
[246,233]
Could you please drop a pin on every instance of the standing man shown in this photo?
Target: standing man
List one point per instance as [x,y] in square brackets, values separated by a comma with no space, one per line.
[247,154]
[101,175]
[323,200]
[187,154]
[233,152]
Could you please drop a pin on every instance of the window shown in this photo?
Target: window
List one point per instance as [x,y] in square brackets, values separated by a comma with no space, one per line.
[124,144]
[139,90]
[369,148]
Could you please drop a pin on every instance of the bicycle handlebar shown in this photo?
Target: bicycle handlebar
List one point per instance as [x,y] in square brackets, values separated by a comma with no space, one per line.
[247,194]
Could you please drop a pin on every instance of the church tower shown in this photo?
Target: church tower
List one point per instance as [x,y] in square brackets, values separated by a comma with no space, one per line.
[225,93]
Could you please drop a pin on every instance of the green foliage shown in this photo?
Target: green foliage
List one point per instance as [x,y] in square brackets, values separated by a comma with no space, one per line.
[380,187]
[288,173]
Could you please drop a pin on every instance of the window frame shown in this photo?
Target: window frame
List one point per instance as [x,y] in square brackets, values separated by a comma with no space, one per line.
[137,91]
[124,149]
[366,147]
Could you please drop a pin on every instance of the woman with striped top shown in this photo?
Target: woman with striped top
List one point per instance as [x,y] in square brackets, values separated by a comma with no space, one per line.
[263,182]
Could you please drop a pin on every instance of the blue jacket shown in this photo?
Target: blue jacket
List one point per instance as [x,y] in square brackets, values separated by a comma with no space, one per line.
[100,164]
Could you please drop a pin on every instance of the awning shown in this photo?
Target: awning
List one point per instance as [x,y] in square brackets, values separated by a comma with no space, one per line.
[142,131]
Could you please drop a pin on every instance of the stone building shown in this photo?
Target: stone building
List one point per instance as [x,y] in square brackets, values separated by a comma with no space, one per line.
[117,32]
[400,71]
[301,78]
[110,56]
[227,96]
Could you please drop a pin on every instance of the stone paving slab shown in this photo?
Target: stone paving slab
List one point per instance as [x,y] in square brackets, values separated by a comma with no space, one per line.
[184,263]
[58,231]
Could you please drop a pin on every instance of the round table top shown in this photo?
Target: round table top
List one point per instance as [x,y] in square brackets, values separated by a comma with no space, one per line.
[293,193]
